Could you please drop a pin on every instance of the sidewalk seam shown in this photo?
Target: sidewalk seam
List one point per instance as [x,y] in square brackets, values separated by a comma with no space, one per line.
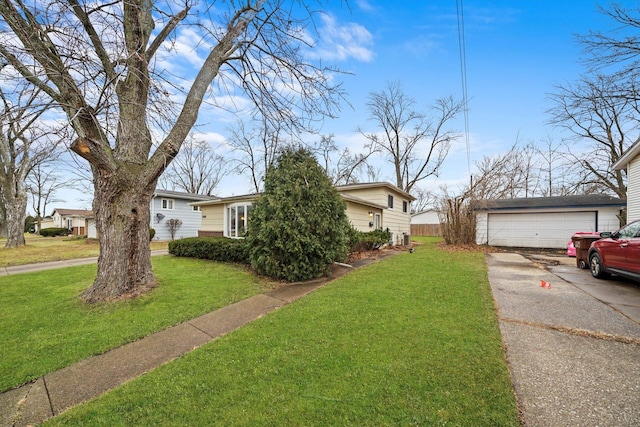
[575,331]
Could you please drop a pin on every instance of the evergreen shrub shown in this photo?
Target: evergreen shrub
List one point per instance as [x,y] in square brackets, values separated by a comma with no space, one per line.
[220,249]
[298,225]
[54,231]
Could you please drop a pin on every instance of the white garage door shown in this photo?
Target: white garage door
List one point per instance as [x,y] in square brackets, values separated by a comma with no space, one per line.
[539,230]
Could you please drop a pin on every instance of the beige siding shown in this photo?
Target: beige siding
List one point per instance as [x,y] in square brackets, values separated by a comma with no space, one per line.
[213,218]
[359,216]
[397,221]
[633,190]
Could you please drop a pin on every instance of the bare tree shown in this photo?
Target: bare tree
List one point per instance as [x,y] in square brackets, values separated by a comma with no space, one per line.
[21,148]
[556,172]
[415,143]
[258,146]
[196,169]
[173,224]
[103,64]
[604,125]
[42,185]
[424,199]
[617,47]
[342,166]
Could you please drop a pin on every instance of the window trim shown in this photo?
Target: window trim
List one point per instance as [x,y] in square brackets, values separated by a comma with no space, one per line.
[405,206]
[227,219]
[167,204]
[390,201]
[196,208]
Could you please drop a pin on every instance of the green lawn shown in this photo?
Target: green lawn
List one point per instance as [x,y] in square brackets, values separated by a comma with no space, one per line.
[44,326]
[43,249]
[412,340]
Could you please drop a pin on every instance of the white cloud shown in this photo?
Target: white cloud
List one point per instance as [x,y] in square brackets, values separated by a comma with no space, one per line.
[342,42]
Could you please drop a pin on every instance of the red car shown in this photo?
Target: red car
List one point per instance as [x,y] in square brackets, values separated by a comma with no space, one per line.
[617,253]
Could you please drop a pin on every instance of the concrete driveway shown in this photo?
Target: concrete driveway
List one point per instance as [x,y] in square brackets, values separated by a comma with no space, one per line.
[574,348]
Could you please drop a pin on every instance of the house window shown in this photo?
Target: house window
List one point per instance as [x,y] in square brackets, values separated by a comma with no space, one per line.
[405,206]
[196,208]
[69,223]
[390,201]
[167,204]
[237,220]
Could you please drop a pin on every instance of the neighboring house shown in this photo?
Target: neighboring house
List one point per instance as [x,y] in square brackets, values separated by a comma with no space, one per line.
[370,206]
[164,205]
[425,223]
[167,205]
[71,219]
[46,222]
[545,222]
[630,161]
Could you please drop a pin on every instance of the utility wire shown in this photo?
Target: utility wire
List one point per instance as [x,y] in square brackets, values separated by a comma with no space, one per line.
[463,76]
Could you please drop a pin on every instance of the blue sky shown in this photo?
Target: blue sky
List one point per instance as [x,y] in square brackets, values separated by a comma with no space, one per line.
[516,51]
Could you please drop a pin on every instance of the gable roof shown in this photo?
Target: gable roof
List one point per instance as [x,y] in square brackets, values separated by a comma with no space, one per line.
[590,200]
[182,195]
[342,189]
[359,186]
[628,156]
[73,212]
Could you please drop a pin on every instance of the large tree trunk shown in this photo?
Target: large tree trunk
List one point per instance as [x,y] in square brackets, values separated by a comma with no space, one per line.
[15,205]
[122,216]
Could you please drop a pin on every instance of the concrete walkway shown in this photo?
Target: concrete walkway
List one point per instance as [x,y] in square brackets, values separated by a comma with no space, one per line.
[42,266]
[574,357]
[50,395]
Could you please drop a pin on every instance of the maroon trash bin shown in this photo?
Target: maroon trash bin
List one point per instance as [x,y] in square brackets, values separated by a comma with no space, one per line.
[582,241]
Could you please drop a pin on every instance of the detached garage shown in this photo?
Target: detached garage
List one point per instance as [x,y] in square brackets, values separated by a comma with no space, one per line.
[545,222]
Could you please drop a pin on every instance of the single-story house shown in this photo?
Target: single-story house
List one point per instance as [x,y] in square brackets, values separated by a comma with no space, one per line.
[71,219]
[630,161]
[370,206]
[545,222]
[425,223]
[164,205]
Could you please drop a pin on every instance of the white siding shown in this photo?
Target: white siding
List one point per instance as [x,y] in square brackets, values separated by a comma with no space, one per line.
[426,217]
[551,228]
[633,190]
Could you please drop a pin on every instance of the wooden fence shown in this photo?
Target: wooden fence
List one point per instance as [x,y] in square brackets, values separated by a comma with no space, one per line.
[425,229]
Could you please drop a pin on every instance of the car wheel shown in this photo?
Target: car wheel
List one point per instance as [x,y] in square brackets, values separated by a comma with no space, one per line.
[595,263]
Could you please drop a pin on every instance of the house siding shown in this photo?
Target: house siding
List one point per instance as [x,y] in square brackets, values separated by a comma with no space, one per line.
[633,190]
[397,221]
[359,216]
[191,220]
[372,198]
[213,218]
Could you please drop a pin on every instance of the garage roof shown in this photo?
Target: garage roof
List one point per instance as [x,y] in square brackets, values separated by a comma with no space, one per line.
[591,200]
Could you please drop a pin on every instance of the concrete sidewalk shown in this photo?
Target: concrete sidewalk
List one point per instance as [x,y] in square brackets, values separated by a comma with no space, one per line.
[52,265]
[574,359]
[50,395]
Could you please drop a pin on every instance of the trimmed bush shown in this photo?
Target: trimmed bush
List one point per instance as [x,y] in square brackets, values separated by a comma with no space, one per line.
[370,241]
[152,233]
[220,249]
[55,231]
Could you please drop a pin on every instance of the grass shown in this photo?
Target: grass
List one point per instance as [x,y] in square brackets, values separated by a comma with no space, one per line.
[44,327]
[43,249]
[412,340]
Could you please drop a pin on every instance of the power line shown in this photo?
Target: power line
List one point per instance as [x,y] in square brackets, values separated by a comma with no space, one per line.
[463,76]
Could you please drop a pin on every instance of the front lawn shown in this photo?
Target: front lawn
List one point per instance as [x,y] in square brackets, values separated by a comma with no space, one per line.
[44,326]
[43,249]
[412,340]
